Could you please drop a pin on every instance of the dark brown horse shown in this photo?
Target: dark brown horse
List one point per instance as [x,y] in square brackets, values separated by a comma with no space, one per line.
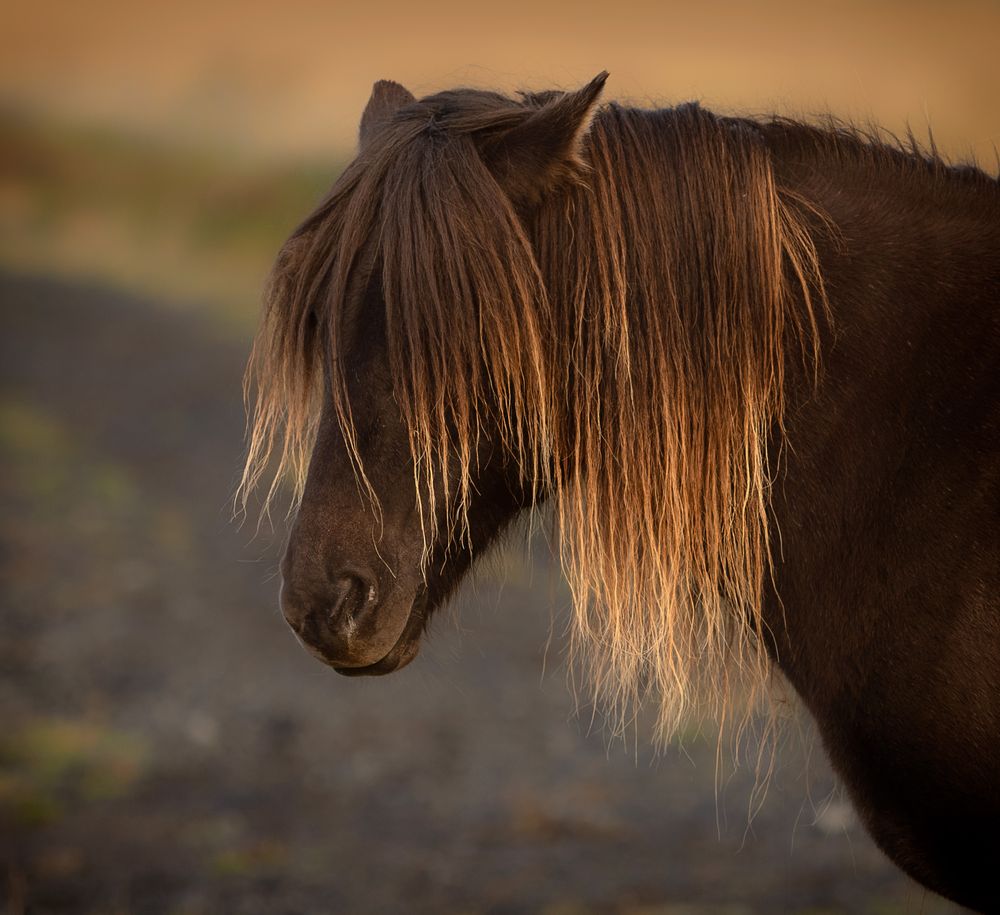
[751,365]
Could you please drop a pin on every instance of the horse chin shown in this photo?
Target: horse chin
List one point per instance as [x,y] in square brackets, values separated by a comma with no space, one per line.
[405,650]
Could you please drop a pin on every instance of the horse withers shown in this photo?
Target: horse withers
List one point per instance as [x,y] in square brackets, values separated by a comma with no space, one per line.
[752,367]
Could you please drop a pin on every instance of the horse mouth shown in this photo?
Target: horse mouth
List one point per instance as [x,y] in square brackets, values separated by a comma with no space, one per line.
[405,650]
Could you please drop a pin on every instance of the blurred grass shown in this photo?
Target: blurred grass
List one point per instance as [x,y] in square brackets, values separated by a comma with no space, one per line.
[115,536]
[177,224]
[260,857]
[49,468]
[50,766]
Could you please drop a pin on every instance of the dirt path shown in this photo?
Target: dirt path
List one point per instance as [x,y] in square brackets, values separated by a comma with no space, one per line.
[166,746]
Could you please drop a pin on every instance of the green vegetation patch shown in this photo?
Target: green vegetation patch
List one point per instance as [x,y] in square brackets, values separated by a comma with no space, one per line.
[47,467]
[51,766]
[251,860]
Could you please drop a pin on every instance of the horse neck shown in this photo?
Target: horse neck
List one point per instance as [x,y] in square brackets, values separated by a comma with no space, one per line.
[911,261]
[913,238]
[882,474]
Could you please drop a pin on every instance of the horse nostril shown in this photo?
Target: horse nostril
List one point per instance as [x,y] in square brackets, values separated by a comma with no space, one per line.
[353,594]
[334,614]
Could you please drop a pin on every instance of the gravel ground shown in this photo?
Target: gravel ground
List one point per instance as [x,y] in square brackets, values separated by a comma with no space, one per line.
[167,747]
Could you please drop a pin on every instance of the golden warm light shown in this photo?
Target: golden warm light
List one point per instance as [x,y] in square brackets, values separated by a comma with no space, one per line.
[293,77]
[651,305]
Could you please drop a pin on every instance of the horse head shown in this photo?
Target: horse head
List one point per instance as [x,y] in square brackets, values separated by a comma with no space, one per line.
[375,326]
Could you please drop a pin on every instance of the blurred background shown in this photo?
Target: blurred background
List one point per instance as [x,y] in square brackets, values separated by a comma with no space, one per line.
[165,745]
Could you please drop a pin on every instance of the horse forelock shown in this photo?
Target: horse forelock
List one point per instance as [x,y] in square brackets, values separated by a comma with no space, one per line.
[628,340]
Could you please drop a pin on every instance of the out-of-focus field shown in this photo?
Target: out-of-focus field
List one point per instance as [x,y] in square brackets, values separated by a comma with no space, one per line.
[179,224]
[165,745]
[292,77]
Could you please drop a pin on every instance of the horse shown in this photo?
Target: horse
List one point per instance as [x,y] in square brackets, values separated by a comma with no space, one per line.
[749,365]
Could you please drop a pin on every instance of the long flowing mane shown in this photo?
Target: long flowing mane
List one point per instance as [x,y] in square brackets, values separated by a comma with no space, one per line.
[630,339]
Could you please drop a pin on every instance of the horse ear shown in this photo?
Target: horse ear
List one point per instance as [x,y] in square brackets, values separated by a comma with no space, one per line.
[386,99]
[544,149]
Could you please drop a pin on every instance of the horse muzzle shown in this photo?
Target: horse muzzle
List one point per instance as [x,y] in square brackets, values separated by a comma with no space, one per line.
[345,621]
